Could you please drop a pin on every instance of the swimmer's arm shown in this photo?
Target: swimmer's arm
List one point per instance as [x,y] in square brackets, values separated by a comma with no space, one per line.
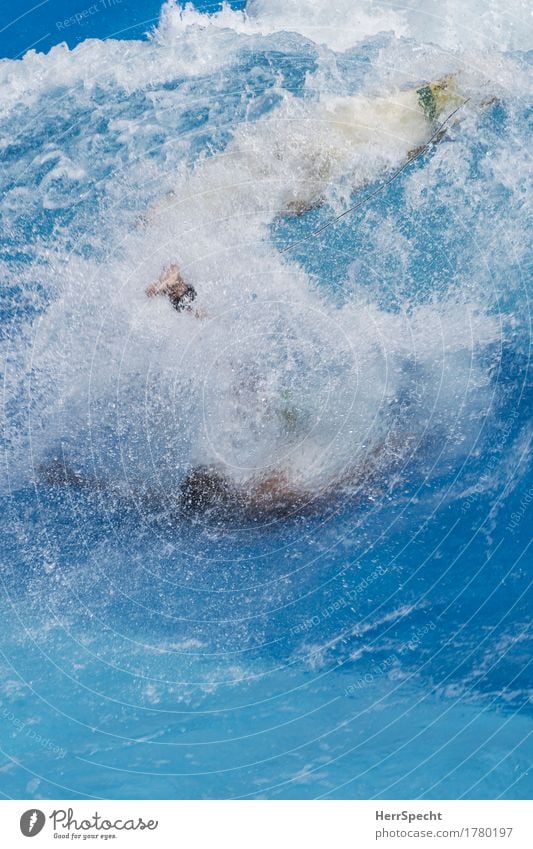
[169,280]
[172,284]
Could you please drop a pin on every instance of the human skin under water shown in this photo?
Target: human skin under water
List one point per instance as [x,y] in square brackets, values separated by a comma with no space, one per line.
[410,114]
[274,493]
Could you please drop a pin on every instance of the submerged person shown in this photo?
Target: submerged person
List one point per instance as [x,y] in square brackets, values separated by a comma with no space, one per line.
[408,116]
[206,488]
[342,140]
[277,490]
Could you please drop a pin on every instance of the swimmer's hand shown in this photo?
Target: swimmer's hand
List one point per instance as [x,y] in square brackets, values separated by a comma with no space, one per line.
[170,282]
[173,286]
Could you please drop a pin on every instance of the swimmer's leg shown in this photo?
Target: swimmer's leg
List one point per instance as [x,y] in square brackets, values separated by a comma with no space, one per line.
[170,280]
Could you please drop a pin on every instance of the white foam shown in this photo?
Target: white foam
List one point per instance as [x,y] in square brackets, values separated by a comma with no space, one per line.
[276,376]
[188,43]
[273,379]
[452,24]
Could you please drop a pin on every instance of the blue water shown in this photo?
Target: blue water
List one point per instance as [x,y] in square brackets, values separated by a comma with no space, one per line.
[40,26]
[374,646]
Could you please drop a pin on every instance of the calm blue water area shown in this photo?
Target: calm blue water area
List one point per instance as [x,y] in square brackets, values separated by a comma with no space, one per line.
[39,26]
[375,647]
